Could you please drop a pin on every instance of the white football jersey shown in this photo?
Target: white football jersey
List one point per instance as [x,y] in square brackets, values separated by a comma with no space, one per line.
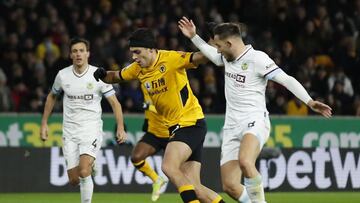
[245,84]
[81,102]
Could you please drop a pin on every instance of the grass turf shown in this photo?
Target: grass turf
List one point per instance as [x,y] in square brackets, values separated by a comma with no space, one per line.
[272,197]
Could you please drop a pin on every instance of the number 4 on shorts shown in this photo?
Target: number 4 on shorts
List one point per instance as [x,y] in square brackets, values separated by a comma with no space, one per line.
[94,143]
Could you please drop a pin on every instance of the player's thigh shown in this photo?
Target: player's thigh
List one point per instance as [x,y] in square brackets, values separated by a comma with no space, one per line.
[71,153]
[257,125]
[176,153]
[230,173]
[193,137]
[254,137]
[147,146]
[250,148]
[141,151]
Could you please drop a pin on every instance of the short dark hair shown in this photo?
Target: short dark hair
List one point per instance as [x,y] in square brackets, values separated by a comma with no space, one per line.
[224,30]
[142,37]
[76,40]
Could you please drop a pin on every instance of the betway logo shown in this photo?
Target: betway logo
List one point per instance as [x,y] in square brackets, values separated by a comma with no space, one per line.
[119,169]
[320,169]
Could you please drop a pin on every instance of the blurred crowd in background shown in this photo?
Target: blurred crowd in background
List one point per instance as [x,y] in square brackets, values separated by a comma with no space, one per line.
[316,41]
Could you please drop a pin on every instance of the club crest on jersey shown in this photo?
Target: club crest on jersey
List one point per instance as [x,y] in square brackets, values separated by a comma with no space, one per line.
[147,86]
[89,86]
[244,66]
[162,69]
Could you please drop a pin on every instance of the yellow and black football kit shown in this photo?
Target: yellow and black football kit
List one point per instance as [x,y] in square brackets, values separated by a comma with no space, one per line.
[155,126]
[168,88]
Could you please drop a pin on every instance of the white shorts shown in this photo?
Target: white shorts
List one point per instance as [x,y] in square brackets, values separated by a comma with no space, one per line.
[73,148]
[256,124]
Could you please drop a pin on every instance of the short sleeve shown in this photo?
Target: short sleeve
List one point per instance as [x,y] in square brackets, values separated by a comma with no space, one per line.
[183,59]
[265,66]
[57,88]
[107,89]
[130,72]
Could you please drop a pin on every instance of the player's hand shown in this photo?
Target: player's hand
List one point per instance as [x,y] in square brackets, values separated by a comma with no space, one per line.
[121,136]
[321,108]
[100,73]
[187,27]
[44,132]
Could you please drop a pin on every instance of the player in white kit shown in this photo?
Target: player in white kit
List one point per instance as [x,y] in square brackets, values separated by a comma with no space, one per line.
[247,124]
[82,124]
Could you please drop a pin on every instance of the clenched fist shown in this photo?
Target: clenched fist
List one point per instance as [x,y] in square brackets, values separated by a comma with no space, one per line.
[100,73]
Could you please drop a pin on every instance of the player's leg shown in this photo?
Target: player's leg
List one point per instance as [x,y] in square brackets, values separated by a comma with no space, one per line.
[255,136]
[71,155]
[147,146]
[88,151]
[73,175]
[141,151]
[192,171]
[231,181]
[86,182]
[229,166]
[250,149]
[176,154]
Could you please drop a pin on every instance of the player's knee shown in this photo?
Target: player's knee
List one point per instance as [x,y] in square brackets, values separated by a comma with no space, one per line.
[85,172]
[245,164]
[168,169]
[136,158]
[229,187]
[74,181]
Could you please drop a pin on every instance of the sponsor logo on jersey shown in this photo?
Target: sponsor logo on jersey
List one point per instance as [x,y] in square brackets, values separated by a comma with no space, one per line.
[237,77]
[159,86]
[84,97]
[165,89]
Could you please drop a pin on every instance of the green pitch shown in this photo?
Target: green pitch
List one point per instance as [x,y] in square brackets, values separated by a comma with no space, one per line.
[274,197]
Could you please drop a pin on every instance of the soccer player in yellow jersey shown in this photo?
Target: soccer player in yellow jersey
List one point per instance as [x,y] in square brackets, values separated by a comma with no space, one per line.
[163,74]
[155,139]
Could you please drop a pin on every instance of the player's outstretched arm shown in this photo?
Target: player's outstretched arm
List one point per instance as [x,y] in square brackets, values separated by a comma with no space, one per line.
[109,77]
[121,135]
[299,91]
[49,105]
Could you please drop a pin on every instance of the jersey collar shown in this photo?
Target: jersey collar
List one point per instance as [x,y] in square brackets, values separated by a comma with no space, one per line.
[79,75]
[248,47]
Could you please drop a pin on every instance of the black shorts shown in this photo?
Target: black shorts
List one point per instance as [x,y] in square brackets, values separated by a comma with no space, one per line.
[193,136]
[158,143]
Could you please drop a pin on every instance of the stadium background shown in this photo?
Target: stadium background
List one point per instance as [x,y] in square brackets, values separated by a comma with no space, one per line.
[317,41]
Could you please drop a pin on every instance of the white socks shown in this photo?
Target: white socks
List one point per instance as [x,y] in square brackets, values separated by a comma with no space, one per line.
[86,189]
[244,198]
[255,189]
